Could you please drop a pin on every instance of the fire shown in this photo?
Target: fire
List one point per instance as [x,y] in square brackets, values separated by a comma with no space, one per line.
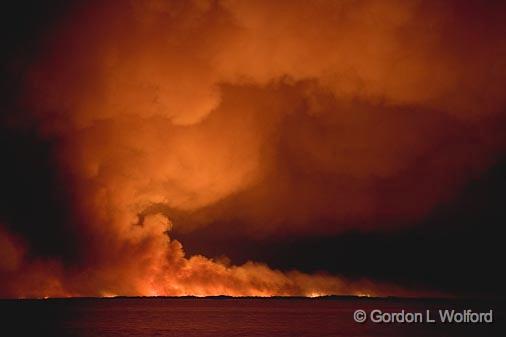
[168,115]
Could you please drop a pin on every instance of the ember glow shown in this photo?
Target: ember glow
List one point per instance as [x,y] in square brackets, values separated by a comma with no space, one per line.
[268,118]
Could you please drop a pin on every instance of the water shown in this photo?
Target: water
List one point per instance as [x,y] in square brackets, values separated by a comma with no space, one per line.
[230,317]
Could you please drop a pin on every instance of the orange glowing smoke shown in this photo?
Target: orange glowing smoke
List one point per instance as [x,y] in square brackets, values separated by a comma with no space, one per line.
[269,113]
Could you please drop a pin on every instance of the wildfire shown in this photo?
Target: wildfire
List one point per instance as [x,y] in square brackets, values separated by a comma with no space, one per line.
[268,116]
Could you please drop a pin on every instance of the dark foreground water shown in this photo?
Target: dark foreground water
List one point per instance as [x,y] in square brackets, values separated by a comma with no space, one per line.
[234,317]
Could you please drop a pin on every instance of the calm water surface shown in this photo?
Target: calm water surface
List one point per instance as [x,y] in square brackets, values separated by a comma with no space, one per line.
[230,317]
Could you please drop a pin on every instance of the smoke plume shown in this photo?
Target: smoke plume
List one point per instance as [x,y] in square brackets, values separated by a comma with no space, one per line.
[284,117]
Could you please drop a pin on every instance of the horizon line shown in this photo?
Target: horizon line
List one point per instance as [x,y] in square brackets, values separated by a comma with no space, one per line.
[285,297]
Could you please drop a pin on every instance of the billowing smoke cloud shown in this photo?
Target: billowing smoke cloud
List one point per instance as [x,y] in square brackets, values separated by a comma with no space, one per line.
[279,117]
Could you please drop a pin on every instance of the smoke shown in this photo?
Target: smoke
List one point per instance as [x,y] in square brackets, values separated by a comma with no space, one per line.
[278,117]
